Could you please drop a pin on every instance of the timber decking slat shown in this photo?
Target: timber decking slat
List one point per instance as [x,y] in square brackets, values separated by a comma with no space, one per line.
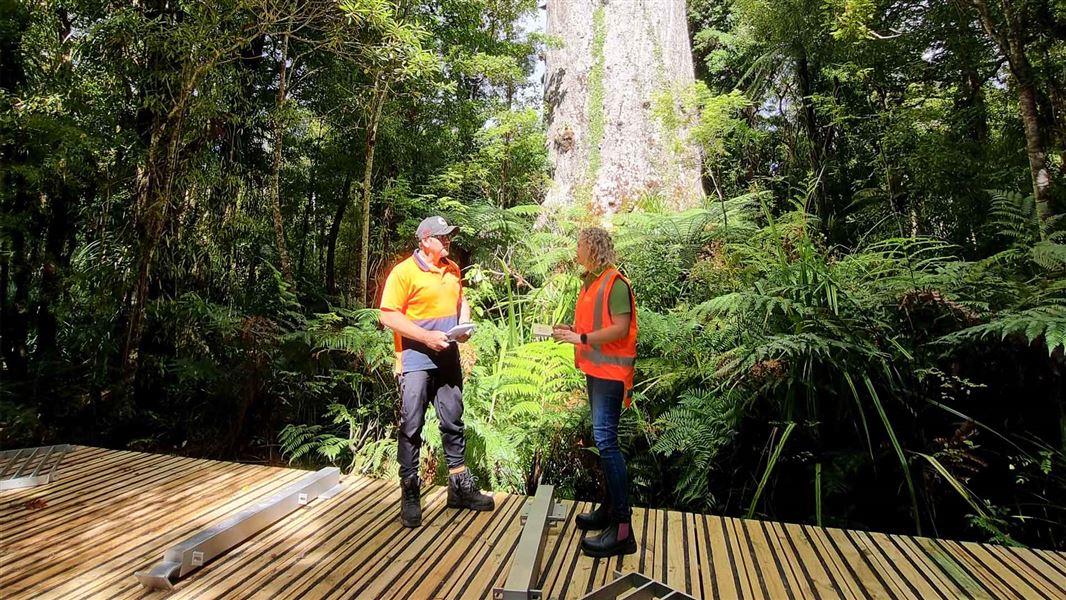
[110,513]
[830,562]
[69,549]
[723,565]
[772,576]
[751,586]
[1007,572]
[93,519]
[350,533]
[1032,562]
[893,569]
[430,584]
[989,575]
[799,578]
[949,566]
[928,567]
[565,556]
[285,547]
[151,547]
[859,566]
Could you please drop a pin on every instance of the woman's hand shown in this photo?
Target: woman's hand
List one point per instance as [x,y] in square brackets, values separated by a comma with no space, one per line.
[568,336]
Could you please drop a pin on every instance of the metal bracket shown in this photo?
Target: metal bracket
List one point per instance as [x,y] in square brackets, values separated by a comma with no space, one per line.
[556,516]
[539,514]
[632,586]
[206,545]
[38,464]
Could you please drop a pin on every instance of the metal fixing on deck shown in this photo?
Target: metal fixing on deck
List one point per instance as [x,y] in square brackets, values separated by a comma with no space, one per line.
[30,466]
[634,586]
[204,546]
[539,514]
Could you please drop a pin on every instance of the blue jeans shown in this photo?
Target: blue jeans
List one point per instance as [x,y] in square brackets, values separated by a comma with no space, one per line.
[605,399]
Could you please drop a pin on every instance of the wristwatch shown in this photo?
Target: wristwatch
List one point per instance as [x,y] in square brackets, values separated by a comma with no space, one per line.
[584,338]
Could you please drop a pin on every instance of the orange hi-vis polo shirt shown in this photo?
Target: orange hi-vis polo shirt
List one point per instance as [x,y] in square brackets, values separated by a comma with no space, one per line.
[431,298]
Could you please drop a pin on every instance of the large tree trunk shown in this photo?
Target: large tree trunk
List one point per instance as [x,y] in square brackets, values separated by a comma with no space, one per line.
[622,62]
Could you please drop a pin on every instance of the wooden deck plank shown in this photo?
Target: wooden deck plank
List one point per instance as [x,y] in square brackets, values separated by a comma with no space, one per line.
[582,574]
[928,567]
[353,525]
[35,557]
[675,543]
[494,570]
[415,563]
[70,498]
[750,578]
[123,509]
[134,505]
[799,579]
[770,572]
[1008,572]
[564,556]
[708,578]
[726,574]
[150,545]
[894,562]
[695,562]
[285,547]
[465,556]
[858,564]
[814,544]
[992,577]
[77,461]
[340,572]
[958,573]
[1032,562]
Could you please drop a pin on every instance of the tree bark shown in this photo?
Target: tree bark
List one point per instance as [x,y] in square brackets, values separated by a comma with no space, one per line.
[623,61]
[275,171]
[381,91]
[814,134]
[1010,39]
[334,234]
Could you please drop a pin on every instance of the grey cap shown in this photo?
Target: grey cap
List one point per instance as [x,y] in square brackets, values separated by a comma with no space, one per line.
[435,225]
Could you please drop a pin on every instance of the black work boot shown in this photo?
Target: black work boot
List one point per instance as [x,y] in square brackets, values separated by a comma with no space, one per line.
[607,543]
[463,492]
[411,502]
[597,519]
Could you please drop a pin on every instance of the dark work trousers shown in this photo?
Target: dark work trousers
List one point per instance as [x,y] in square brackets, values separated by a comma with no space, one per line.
[444,388]
[605,399]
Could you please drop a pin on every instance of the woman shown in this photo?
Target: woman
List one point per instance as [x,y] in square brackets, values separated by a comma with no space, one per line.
[605,336]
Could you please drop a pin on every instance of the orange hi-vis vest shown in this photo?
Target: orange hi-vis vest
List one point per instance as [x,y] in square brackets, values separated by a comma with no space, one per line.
[614,360]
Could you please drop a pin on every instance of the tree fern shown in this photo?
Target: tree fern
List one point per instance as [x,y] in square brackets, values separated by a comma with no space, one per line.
[1047,323]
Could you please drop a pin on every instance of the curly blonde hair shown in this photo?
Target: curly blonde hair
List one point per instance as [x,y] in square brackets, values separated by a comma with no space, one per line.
[599,244]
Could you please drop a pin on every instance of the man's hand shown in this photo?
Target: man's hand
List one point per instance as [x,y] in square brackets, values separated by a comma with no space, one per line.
[437,340]
[463,338]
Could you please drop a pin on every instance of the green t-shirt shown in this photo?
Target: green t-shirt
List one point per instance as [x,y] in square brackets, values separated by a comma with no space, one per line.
[617,298]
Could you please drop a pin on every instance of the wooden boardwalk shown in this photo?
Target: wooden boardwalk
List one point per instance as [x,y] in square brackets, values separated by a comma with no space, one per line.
[111,513]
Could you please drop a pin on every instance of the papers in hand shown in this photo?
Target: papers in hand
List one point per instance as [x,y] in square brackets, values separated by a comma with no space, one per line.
[541,332]
[460,330]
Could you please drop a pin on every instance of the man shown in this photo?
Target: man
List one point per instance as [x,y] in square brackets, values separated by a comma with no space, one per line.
[422,300]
